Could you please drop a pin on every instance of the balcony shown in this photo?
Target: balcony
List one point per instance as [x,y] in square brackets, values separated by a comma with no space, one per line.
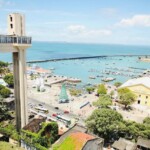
[14,43]
[7,39]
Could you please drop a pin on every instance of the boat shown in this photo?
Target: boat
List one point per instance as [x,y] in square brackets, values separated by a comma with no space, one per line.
[52,68]
[108,79]
[92,77]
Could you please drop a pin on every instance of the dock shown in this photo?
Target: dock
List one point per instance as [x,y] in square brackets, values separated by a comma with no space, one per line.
[86,57]
[63,80]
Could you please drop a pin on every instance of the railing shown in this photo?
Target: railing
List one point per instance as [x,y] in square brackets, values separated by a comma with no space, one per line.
[6,39]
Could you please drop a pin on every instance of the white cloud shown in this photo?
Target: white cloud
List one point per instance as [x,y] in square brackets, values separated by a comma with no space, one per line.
[109,11]
[76,29]
[81,30]
[136,20]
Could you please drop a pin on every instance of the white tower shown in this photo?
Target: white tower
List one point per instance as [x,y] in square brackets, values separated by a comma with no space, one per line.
[16,24]
[17,43]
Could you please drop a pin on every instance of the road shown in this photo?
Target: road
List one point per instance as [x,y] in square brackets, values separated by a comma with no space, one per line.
[52,110]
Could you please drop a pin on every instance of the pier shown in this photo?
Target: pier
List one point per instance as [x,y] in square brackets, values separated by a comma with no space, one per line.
[86,57]
[72,80]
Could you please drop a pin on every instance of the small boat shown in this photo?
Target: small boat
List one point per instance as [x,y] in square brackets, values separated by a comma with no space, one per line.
[52,68]
[108,79]
[92,77]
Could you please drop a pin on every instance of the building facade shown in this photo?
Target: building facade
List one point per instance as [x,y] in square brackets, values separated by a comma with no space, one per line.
[141,87]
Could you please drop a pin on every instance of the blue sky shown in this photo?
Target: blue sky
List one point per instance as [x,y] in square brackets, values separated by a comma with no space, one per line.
[87,21]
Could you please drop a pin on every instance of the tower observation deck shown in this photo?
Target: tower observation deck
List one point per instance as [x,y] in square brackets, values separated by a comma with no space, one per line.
[16,42]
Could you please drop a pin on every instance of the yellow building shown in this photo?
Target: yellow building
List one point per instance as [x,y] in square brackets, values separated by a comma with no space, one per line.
[141,87]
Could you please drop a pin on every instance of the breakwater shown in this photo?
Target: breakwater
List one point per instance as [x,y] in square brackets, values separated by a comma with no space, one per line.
[86,57]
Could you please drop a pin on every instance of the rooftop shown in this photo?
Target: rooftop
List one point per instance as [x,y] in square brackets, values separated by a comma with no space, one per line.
[123,144]
[34,125]
[143,142]
[75,141]
[144,81]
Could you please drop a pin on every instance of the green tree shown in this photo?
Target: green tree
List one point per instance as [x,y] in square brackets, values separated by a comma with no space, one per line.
[127,97]
[112,93]
[101,89]
[117,84]
[3,109]
[75,92]
[123,90]
[9,80]
[3,64]
[90,89]
[5,92]
[1,71]
[104,101]
[1,87]
[135,130]
[146,121]
[103,122]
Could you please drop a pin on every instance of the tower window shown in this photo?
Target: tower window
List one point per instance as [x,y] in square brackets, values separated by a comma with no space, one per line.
[11,19]
[11,26]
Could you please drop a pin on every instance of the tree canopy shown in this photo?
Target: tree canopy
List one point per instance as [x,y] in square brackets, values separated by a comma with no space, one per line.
[103,101]
[103,122]
[127,97]
[90,89]
[3,109]
[3,64]
[117,84]
[147,121]
[4,92]
[9,80]
[110,125]
[101,89]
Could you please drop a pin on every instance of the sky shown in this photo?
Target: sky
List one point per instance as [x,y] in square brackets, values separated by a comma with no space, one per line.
[84,21]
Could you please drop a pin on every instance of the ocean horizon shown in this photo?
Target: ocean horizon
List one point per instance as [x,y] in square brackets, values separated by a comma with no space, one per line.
[84,68]
[56,50]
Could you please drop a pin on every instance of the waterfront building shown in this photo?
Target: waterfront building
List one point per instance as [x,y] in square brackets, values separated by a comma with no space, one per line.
[16,42]
[141,87]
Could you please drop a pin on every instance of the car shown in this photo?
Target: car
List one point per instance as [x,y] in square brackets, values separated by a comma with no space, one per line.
[97,95]
[40,105]
[59,113]
[54,115]
[56,107]
[31,116]
[66,112]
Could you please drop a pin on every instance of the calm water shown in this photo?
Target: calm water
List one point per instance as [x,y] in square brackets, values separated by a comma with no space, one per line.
[90,67]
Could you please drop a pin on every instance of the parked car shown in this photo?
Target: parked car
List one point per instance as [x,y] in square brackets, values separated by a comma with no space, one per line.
[54,115]
[56,107]
[66,112]
[40,105]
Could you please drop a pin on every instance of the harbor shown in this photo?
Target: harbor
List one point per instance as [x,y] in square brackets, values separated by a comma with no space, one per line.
[92,71]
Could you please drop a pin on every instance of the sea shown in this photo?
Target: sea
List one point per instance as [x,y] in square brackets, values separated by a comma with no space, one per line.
[115,64]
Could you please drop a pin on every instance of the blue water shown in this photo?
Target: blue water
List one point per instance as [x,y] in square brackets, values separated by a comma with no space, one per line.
[82,68]
[45,50]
